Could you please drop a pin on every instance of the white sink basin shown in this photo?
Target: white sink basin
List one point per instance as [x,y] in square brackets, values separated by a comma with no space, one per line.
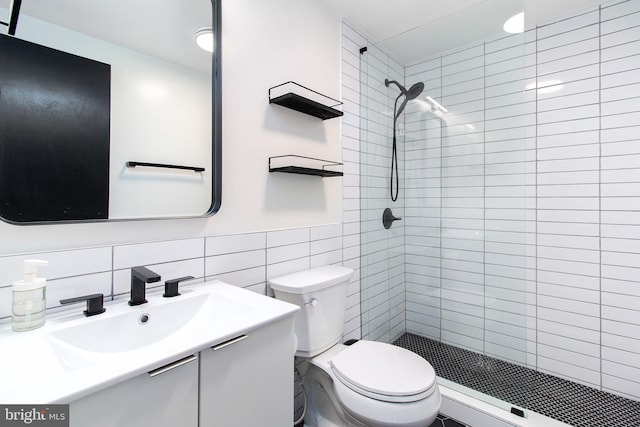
[134,329]
[124,328]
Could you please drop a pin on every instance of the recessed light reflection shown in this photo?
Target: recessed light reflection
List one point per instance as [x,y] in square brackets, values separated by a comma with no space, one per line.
[204,39]
[546,86]
[437,104]
[515,24]
[430,105]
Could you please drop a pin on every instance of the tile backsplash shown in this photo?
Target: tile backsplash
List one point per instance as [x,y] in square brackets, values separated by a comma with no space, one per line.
[245,260]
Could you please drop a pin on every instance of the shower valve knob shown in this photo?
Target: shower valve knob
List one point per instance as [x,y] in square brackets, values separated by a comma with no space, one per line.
[388,218]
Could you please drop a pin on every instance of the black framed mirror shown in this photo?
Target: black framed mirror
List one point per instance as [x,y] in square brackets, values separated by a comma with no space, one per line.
[109,111]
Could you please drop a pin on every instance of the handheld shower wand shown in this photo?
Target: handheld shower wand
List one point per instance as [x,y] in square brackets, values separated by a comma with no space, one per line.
[414,91]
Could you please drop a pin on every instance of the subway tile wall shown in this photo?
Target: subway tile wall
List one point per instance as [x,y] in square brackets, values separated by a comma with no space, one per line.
[521,205]
[620,197]
[382,251]
[567,218]
[245,260]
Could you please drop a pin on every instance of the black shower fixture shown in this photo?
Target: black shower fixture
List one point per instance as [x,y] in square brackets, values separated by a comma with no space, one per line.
[414,91]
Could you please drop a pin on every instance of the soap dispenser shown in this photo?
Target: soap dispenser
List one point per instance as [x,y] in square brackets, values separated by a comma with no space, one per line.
[28,311]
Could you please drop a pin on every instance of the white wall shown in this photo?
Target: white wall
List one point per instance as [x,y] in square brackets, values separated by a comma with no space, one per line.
[264,44]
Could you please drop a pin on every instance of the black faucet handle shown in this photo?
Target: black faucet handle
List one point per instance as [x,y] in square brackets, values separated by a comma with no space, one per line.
[388,218]
[95,303]
[171,286]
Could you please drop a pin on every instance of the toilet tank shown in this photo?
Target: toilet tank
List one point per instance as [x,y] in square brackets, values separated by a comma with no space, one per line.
[321,294]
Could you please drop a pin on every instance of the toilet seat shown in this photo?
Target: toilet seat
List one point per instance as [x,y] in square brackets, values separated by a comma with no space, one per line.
[384,372]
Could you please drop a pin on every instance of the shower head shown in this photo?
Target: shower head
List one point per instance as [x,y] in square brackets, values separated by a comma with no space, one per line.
[414,91]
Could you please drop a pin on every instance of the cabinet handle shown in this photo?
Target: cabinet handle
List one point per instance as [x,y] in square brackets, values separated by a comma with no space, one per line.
[229,342]
[172,365]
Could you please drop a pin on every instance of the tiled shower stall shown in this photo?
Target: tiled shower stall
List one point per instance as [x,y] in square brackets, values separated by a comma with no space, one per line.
[520,205]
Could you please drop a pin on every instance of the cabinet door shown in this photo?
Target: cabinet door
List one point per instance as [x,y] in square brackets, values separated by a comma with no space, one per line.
[165,397]
[248,380]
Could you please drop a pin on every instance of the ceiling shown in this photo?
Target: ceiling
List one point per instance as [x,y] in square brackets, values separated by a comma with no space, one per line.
[382,19]
[162,28]
[410,29]
[416,29]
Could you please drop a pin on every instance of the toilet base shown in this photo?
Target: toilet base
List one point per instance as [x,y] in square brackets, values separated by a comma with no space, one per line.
[325,410]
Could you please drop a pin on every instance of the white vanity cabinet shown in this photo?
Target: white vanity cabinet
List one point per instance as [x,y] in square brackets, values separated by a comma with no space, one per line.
[247,380]
[164,397]
[218,355]
[243,381]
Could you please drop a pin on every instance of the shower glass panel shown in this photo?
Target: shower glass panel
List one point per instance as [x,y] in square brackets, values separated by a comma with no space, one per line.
[453,278]
[382,250]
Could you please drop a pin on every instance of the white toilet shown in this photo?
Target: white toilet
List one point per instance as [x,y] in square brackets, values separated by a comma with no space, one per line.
[365,384]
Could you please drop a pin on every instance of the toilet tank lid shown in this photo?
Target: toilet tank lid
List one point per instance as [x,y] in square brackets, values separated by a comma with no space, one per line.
[311,280]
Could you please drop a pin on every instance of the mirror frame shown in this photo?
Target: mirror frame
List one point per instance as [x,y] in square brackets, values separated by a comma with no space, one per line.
[216,109]
[216,137]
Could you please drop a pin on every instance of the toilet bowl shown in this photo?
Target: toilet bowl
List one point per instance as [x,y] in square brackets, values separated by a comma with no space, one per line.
[375,384]
[364,384]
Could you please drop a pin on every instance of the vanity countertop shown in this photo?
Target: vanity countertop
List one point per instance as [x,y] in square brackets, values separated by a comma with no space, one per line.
[72,355]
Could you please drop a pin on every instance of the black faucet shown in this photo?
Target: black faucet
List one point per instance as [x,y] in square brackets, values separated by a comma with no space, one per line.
[140,276]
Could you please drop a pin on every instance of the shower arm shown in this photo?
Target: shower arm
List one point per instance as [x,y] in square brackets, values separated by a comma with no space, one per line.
[403,91]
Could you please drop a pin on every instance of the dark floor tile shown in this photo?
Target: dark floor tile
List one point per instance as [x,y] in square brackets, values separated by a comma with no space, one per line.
[444,421]
[554,397]
[452,423]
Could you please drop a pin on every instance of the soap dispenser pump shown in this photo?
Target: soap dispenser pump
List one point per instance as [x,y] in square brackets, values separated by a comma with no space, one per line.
[29,303]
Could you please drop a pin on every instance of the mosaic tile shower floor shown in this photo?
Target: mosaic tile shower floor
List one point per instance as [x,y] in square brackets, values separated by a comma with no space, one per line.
[551,396]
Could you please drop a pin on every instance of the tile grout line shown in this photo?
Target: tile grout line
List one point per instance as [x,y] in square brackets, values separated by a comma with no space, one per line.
[600,192]
[484,198]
